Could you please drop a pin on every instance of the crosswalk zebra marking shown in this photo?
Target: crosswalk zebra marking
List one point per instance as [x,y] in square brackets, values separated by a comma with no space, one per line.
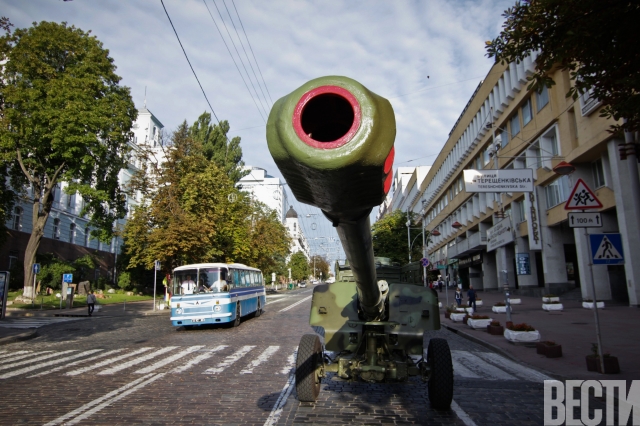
[37,358]
[460,370]
[107,362]
[480,367]
[71,364]
[228,361]
[197,360]
[137,361]
[35,322]
[291,362]
[295,304]
[519,370]
[46,364]
[264,357]
[168,360]
[13,356]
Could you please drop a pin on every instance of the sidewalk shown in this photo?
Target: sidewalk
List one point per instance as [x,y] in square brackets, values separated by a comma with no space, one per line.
[573,328]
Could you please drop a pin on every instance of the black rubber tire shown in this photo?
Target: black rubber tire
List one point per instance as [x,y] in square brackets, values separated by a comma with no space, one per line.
[441,379]
[309,356]
[259,310]
[236,322]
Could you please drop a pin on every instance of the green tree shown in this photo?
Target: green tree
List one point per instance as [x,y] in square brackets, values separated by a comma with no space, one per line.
[592,39]
[321,265]
[389,236]
[7,201]
[217,147]
[64,118]
[299,266]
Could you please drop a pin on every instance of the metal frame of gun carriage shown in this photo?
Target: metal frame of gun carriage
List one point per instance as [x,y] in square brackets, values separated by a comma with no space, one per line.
[332,139]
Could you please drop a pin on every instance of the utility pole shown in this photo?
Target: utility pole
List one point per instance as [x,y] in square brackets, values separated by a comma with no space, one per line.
[409,232]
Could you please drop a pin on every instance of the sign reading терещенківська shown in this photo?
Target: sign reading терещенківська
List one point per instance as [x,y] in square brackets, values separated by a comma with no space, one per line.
[511,180]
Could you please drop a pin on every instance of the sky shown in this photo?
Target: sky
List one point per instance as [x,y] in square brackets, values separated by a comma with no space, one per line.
[426,57]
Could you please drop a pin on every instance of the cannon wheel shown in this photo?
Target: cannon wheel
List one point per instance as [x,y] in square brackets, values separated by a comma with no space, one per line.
[441,379]
[236,322]
[307,362]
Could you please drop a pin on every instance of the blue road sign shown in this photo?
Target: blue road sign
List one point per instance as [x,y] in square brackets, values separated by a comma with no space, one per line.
[67,278]
[424,261]
[36,268]
[606,249]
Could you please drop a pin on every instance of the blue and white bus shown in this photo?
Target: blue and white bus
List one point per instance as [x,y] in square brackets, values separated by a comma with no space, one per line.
[216,293]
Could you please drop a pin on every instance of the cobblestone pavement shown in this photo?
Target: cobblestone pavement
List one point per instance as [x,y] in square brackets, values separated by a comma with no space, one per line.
[140,369]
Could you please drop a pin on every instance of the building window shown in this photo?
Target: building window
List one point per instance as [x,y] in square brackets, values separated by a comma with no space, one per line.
[17,218]
[487,157]
[522,212]
[598,173]
[527,113]
[542,97]
[56,229]
[557,191]
[515,125]
[13,258]
[588,103]
[72,233]
[502,139]
[479,163]
[86,237]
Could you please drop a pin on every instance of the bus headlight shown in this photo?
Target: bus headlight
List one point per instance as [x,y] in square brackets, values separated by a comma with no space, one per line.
[179,311]
[217,308]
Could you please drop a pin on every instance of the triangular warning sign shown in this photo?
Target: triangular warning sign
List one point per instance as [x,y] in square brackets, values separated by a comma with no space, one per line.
[606,250]
[582,197]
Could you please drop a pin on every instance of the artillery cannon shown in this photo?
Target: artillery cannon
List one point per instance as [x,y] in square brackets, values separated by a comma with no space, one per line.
[332,139]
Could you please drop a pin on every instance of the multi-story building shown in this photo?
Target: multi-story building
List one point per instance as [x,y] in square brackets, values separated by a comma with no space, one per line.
[298,239]
[506,126]
[265,188]
[67,233]
[408,183]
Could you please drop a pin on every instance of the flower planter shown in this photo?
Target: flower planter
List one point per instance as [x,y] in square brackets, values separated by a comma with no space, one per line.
[500,309]
[550,351]
[550,299]
[478,323]
[611,365]
[515,301]
[589,305]
[468,310]
[521,336]
[496,330]
[461,310]
[465,319]
[552,307]
[457,317]
[478,302]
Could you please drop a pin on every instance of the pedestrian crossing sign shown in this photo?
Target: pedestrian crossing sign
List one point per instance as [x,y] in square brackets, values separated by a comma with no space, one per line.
[606,249]
[582,197]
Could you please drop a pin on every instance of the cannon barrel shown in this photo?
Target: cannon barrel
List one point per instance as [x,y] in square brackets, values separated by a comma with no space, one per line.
[332,139]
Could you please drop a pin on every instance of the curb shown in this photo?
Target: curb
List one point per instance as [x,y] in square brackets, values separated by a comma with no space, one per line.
[18,337]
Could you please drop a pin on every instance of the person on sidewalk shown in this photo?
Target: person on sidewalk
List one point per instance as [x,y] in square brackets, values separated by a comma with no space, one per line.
[458,297]
[91,302]
[471,294]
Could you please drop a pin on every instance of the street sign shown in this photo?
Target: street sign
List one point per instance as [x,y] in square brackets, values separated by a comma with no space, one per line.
[67,278]
[503,180]
[157,265]
[523,264]
[585,220]
[499,234]
[36,268]
[424,261]
[582,197]
[606,249]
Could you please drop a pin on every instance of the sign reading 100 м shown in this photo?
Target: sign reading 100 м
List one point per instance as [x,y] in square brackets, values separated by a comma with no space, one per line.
[509,180]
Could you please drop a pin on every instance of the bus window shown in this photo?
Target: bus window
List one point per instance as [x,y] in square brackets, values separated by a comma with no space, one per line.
[236,277]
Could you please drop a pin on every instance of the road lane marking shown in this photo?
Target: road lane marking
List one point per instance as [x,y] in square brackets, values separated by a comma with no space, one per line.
[37,358]
[479,366]
[106,362]
[228,361]
[519,370]
[198,359]
[86,410]
[137,361]
[462,415]
[46,364]
[71,364]
[461,370]
[164,362]
[264,357]
[291,362]
[295,304]
[276,411]
[14,356]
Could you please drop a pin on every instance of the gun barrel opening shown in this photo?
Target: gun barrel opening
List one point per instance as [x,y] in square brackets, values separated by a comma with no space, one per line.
[327,117]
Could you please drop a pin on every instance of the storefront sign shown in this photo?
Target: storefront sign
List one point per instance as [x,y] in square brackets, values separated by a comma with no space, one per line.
[499,234]
[523,264]
[511,180]
[464,262]
[476,259]
[533,222]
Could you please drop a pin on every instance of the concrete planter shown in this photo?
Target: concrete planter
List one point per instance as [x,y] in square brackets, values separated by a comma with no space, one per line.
[478,302]
[550,351]
[457,317]
[589,305]
[461,310]
[611,365]
[521,336]
[469,310]
[550,299]
[552,307]
[499,309]
[515,301]
[496,330]
[478,323]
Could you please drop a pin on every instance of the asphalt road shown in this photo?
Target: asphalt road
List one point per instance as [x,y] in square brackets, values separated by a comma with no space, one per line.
[140,369]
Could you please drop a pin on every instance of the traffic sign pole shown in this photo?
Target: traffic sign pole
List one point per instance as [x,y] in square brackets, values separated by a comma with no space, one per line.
[595,305]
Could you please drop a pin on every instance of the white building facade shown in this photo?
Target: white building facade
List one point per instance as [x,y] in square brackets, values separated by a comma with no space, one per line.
[265,188]
[298,239]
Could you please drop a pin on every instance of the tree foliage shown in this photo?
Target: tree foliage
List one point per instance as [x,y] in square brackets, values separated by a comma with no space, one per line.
[321,265]
[593,39]
[64,118]
[299,266]
[194,213]
[389,236]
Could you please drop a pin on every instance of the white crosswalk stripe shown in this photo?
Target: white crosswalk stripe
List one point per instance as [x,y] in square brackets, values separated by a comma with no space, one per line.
[45,364]
[74,363]
[37,358]
[263,357]
[107,362]
[10,357]
[492,366]
[291,362]
[228,361]
[137,361]
[197,360]
[164,362]
[31,322]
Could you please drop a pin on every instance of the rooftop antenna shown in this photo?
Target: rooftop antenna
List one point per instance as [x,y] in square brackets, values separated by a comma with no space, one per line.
[145,97]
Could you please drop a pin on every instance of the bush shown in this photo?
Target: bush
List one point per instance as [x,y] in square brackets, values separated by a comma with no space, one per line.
[124,280]
[521,327]
[479,317]
[495,323]
[500,304]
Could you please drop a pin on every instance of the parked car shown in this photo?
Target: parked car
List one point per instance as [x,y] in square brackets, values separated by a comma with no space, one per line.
[302,284]
[330,280]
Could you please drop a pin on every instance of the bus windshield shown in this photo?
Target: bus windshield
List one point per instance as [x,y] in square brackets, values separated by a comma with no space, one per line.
[207,280]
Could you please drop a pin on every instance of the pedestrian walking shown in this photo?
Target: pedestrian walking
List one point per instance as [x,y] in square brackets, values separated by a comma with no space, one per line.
[91,302]
[458,297]
[471,294]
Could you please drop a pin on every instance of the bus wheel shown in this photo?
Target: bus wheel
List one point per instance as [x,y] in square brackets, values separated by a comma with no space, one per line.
[309,366]
[259,310]
[236,322]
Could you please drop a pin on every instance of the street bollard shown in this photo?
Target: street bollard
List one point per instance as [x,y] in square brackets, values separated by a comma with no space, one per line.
[124,306]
